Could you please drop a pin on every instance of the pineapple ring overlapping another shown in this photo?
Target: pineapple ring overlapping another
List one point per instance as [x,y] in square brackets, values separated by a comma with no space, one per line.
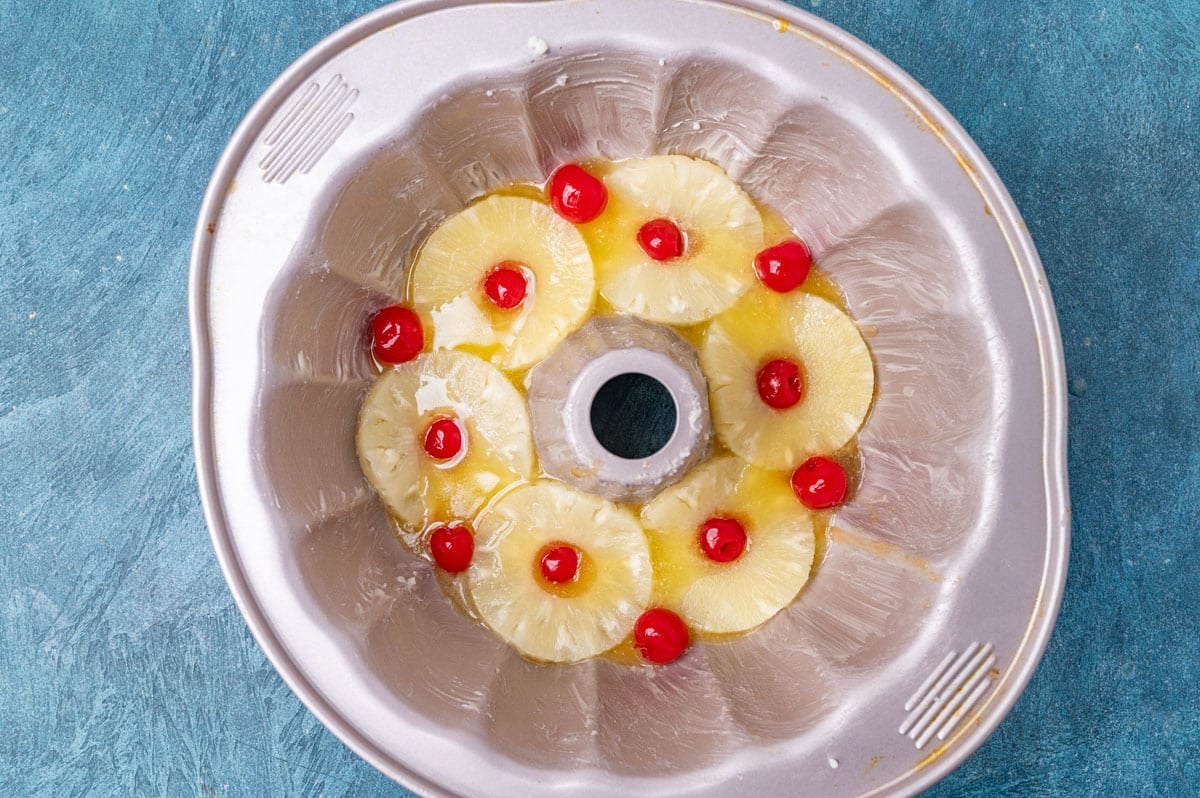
[568,622]
[497,447]
[721,226]
[729,597]
[447,280]
[838,377]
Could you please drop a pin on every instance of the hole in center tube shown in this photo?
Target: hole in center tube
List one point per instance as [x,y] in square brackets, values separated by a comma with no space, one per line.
[633,415]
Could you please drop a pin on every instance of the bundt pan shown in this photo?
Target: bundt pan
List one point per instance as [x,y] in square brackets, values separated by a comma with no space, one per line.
[941,580]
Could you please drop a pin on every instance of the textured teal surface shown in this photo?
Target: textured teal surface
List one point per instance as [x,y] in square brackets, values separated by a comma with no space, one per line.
[125,668]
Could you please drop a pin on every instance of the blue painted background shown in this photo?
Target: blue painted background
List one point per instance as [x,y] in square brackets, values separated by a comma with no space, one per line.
[125,668]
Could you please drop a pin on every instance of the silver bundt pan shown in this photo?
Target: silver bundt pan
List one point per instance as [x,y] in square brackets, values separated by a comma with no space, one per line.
[941,580]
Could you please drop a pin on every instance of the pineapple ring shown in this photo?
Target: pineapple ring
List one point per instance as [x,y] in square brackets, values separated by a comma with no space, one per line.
[737,596]
[547,624]
[722,227]
[448,275]
[839,377]
[418,490]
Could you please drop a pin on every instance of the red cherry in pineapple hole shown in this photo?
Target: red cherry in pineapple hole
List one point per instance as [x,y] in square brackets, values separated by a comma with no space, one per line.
[722,539]
[560,565]
[660,636]
[506,285]
[397,336]
[443,439]
[819,483]
[784,266]
[780,384]
[576,195]
[661,239]
[452,547]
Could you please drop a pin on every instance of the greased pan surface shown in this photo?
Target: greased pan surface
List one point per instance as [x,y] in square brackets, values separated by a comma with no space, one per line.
[942,579]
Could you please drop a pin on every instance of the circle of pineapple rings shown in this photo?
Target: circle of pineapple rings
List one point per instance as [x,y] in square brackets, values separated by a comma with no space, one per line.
[447,280]
[839,377]
[722,228]
[594,614]
[723,598]
[417,489]
[624,560]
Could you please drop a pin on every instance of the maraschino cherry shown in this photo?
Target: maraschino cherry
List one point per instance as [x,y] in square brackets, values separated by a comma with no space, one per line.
[452,547]
[780,384]
[784,266]
[560,565]
[722,539]
[819,483]
[506,285]
[575,195]
[661,239]
[397,335]
[443,438]
[660,636]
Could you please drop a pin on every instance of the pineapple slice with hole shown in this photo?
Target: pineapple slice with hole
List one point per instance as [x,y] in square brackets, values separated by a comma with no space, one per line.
[727,597]
[838,377]
[559,622]
[497,448]
[447,280]
[722,229]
